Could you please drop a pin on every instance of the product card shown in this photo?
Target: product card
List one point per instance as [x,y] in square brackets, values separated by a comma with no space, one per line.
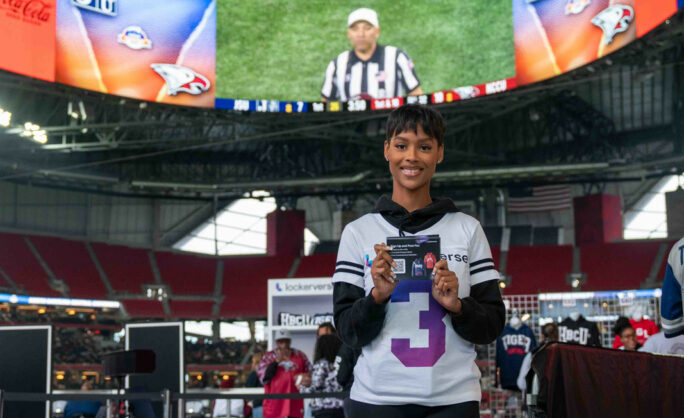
[415,256]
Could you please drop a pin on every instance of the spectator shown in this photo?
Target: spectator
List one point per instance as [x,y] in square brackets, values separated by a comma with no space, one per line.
[82,409]
[278,371]
[324,378]
[253,382]
[549,334]
[628,339]
[326,328]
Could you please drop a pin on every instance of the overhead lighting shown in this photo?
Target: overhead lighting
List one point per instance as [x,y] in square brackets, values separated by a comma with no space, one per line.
[33,131]
[525,317]
[5,117]
[41,311]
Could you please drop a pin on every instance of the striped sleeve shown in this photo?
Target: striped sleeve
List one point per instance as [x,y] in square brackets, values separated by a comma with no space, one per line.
[408,73]
[349,266]
[329,90]
[671,309]
[480,257]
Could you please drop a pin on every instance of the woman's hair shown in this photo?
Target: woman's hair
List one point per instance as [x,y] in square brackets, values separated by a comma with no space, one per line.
[550,331]
[327,347]
[621,323]
[409,117]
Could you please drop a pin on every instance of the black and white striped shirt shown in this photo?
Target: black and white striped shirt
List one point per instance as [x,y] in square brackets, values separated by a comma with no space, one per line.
[387,73]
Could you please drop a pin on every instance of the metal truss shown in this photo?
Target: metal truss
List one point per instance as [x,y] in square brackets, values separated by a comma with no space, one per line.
[619,111]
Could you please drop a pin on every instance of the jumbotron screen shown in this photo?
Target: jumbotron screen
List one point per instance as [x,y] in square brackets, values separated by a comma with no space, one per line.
[314,55]
[282,50]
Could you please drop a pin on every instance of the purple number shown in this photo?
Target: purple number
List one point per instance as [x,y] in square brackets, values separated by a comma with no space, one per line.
[430,320]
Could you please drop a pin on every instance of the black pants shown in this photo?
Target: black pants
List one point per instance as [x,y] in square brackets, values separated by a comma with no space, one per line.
[329,413]
[459,410]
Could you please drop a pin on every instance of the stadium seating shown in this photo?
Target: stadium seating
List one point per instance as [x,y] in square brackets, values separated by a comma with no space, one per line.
[190,309]
[245,282]
[70,262]
[317,265]
[187,274]
[143,308]
[533,269]
[17,261]
[127,268]
[620,265]
[540,268]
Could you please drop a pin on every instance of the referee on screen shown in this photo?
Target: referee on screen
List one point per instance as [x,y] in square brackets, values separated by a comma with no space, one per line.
[369,71]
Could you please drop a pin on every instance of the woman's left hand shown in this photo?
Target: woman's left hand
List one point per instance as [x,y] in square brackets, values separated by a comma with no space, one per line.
[445,287]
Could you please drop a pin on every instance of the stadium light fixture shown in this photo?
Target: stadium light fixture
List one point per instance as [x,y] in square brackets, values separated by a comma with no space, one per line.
[33,131]
[5,117]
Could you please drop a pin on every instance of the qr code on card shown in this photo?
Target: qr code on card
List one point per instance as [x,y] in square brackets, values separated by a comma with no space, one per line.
[401,266]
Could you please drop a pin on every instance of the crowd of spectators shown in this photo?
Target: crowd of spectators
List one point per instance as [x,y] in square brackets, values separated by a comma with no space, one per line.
[221,352]
[82,346]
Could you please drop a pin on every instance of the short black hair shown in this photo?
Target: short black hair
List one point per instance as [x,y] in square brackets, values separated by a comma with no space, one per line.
[620,324]
[327,325]
[327,347]
[409,117]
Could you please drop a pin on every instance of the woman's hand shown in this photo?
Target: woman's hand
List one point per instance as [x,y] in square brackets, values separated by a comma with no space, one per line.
[445,287]
[382,274]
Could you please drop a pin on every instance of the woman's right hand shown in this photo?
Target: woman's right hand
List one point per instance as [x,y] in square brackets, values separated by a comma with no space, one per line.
[382,274]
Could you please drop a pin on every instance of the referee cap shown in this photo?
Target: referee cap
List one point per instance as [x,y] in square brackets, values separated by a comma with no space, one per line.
[363,14]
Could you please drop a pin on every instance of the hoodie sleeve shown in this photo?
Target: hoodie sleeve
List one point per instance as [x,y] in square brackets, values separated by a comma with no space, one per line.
[483,314]
[357,317]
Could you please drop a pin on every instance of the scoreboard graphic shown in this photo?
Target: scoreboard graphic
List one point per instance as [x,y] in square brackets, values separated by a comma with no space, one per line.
[157,50]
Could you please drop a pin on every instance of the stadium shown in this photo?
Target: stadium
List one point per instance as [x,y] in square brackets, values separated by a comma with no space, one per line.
[195,197]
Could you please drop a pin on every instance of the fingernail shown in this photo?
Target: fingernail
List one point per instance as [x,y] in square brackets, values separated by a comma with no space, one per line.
[394,274]
[389,247]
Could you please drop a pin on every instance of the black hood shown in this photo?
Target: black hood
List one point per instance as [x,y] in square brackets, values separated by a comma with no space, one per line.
[418,220]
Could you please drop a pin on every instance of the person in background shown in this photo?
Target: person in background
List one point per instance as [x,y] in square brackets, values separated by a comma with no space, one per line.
[369,70]
[85,409]
[253,382]
[324,378]
[326,328]
[549,334]
[628,339]
[279,370]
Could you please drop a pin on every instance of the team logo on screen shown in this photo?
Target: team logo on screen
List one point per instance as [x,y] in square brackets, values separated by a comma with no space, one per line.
[179,78]
[467,92]
[614,20]
[574,7]
[135,38]
[105,7]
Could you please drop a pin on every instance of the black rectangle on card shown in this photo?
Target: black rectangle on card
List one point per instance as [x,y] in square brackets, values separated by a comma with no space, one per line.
[415,256]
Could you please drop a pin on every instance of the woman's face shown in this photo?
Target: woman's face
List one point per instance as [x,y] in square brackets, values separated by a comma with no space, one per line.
[413,158]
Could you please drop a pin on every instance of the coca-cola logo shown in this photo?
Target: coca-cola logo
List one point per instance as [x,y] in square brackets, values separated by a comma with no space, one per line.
[31,10]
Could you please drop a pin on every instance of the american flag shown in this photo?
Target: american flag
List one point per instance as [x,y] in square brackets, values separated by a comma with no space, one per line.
[381,76]
[543,198]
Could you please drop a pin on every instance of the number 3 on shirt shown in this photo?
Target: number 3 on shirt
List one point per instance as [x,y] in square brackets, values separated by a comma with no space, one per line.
[430,320]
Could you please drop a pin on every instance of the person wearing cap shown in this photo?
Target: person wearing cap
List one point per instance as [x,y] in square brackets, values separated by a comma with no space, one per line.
[369,70]
[283,370]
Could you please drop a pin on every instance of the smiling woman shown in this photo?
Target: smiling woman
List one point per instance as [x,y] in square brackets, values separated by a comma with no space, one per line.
[416,335]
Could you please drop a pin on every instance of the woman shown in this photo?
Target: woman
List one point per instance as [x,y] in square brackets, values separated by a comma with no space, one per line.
[324,378]
[416,336]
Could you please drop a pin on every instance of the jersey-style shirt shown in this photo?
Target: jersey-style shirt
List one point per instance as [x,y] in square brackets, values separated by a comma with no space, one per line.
[582,332]
[418,269]
[417,357]
[429,261]
[671,301]
[387,73]
[511,348]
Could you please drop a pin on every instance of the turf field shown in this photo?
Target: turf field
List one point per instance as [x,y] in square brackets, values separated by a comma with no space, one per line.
[279,49]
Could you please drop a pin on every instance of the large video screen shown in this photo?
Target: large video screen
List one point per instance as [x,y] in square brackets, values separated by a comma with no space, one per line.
[314,55]
[157,50]
[284,50]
